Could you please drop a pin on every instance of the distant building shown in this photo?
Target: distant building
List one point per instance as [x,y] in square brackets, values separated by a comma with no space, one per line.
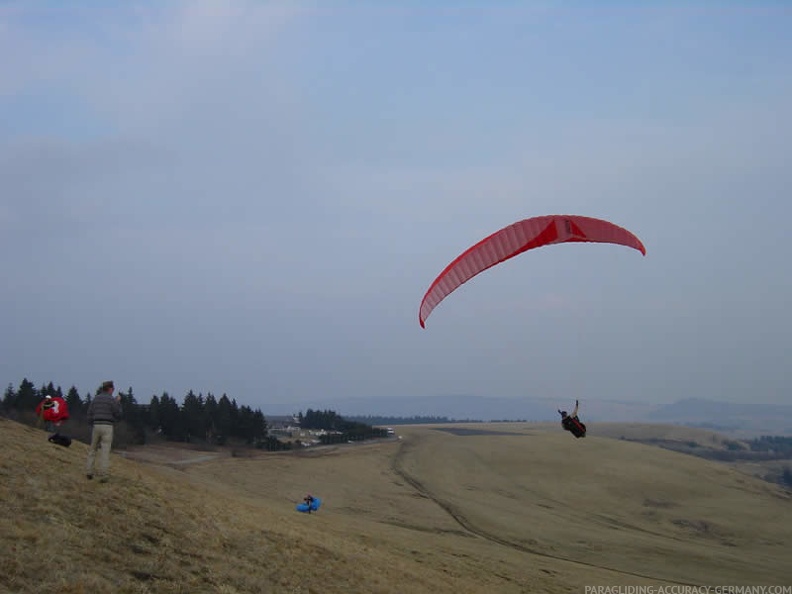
[283,425]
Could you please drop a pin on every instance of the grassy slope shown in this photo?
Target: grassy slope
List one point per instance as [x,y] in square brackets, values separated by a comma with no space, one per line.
[635,508]
[434,512]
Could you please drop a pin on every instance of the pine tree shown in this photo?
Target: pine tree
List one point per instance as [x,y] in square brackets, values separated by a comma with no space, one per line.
[9,398]
[133,417]
[74,403]
[153,419]
[170,418]
[192,413]
[27,396]
[224,421]
[210,418]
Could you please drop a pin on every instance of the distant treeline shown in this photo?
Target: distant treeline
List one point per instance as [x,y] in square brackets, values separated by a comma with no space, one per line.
[416,420]
[761,449]
[767,447]
[774,444]
[340,430]
[422,420]
[197,419]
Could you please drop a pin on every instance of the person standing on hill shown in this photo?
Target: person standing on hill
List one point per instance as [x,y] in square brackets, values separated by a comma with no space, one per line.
[103,413]
[46,411]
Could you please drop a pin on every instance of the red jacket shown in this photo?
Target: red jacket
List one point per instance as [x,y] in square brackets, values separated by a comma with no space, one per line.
[53,409]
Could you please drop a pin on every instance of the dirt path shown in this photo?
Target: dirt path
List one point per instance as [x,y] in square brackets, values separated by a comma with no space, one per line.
[170,455]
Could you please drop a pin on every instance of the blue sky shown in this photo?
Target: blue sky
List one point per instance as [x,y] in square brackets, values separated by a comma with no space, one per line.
[252,197]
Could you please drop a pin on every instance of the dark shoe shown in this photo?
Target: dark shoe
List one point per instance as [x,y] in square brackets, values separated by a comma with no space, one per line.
[89,476]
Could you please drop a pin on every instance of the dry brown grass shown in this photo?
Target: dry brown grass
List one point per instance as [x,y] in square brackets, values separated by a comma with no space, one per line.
[434,512]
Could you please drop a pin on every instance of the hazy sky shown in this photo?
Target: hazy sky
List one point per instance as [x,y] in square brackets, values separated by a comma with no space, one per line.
[252,197]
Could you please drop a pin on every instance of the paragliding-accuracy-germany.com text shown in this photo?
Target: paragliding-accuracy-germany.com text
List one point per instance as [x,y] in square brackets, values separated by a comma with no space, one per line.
[678,589]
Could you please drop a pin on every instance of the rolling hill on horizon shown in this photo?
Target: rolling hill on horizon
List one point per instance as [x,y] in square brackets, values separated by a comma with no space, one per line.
[741,419]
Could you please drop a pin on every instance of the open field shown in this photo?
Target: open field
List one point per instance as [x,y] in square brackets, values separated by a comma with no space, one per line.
[469,508]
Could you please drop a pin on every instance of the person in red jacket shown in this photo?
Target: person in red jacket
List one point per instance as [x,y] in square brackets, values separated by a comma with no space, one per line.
[53,411]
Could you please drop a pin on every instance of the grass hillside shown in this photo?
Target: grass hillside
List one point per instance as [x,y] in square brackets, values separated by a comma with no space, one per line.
[472,508]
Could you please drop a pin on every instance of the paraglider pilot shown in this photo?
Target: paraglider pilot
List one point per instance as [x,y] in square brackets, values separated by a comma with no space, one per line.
[571,422]
[53,410]
[309,499]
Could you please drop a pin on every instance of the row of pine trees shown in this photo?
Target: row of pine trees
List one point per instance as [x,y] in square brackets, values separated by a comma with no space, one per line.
[197,418]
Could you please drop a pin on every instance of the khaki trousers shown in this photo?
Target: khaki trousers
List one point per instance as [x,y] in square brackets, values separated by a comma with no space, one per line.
[101,439]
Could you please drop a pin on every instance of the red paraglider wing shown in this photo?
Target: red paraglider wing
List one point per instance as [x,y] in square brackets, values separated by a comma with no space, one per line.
[515,239]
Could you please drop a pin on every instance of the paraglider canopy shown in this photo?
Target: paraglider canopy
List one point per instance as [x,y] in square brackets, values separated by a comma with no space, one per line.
[54,410]
[515,239]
